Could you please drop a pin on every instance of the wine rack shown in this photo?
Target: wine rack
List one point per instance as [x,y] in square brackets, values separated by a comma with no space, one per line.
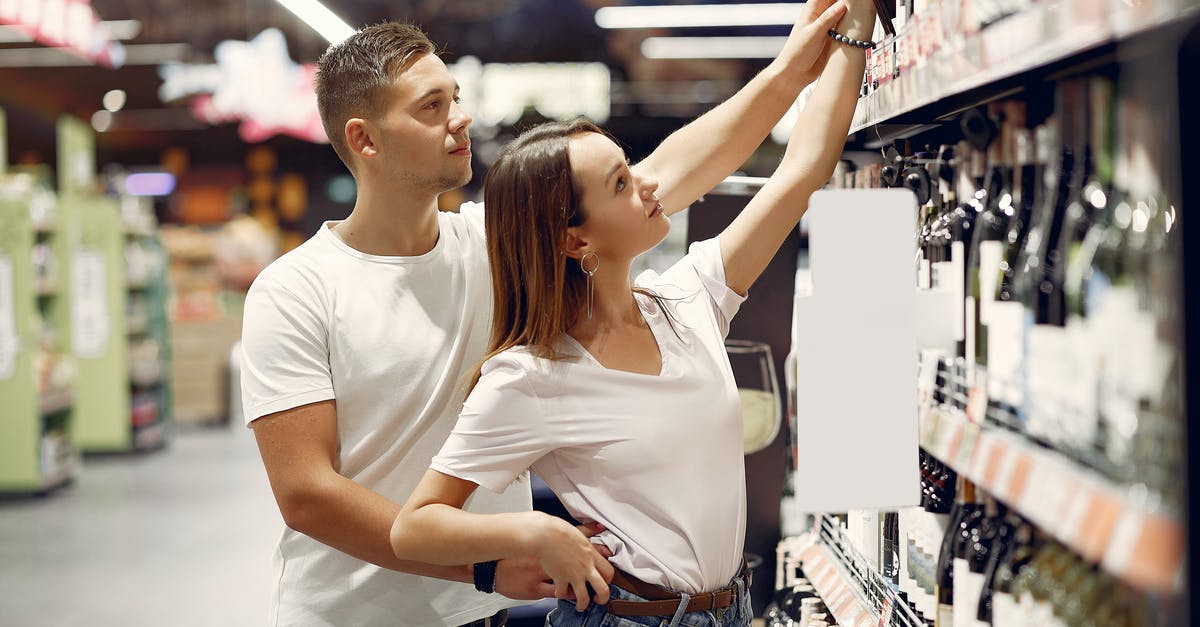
[1105,523]
[855,593]
[924,70]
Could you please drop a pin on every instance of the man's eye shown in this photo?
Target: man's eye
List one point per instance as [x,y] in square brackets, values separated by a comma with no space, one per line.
[620,183]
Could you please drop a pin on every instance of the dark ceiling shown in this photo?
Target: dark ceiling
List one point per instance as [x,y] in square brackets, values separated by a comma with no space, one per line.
[492,30]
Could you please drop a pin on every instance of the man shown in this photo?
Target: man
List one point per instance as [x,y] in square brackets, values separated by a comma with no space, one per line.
[356,344]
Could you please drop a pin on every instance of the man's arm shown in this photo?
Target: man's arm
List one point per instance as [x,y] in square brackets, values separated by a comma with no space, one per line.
[299,449]
[693,159]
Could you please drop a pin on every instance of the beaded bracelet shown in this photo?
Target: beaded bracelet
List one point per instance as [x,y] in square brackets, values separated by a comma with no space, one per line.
[836,36]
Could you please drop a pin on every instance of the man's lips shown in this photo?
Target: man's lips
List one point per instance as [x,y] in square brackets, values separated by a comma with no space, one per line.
[463,150]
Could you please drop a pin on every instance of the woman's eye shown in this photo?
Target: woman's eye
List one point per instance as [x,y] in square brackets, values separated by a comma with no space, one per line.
[457,100]
[620,183]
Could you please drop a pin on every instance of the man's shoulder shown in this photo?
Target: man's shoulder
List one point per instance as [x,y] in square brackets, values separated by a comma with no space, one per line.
[467,221]
[303,267]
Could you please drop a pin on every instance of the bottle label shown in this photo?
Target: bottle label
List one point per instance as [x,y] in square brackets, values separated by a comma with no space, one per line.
[991,253]
[967,588]
[969,329]
[1080,389]
[1005,612]
[1048,412]
[958,264]
[945,616]
[1005,351]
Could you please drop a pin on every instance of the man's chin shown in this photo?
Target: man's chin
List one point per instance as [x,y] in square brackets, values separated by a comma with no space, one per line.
[452,183]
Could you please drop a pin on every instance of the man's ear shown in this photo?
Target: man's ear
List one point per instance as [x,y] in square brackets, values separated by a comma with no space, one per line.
[574,246]
[358,138]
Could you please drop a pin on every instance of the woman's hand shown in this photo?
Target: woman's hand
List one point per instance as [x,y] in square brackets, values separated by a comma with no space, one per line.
[859,21]
[807,47]
[571,561]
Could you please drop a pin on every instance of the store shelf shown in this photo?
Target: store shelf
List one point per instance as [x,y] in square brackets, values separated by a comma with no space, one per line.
[1117,527]
[855,594]
[1044,38]
[837,587]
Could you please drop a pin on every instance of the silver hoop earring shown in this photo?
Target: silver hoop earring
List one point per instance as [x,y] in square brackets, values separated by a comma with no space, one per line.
[590,292]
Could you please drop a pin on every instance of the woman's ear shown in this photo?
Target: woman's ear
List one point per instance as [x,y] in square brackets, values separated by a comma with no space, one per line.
[358,138]
[574,246]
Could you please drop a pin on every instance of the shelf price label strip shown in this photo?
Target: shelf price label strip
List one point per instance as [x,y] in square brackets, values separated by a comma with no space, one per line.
[834,586]
[1078,507]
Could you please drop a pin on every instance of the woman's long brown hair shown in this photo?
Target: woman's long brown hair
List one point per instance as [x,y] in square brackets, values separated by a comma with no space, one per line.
[530,198]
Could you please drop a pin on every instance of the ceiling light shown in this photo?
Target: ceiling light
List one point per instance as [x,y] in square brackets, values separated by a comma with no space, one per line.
[113,100]
[698,15]
[320,18]
[102,121]
[712,47]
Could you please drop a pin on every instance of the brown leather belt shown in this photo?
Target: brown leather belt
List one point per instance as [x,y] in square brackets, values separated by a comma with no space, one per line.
[663,601]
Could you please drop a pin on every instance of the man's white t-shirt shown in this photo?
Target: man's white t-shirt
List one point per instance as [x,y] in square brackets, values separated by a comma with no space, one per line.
[391,339]
[658,460]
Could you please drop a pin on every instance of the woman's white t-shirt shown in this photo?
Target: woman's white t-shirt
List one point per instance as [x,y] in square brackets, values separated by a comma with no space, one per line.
[658,460]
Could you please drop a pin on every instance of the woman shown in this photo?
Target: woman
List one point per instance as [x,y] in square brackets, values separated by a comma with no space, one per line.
[618,393]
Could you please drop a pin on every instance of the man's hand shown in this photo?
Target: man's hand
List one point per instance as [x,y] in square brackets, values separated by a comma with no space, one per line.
[807,47]
[524,579]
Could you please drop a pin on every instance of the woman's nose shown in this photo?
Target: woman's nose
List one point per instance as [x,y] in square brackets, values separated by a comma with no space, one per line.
[649,186]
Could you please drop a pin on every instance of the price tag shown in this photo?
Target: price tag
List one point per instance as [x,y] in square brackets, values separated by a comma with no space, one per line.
[983,455]
[1120,554]
[1002,486]
[966,449]
[991,470]
[1069,529]
[1159,552]
[1103,512]
[1020,476]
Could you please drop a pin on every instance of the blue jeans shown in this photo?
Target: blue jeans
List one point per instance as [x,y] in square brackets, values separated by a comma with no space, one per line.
[736,615]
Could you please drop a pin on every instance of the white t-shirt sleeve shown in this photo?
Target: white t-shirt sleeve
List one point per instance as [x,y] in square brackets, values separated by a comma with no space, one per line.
[701,269]
[285,353]
[472,213]
[500,432]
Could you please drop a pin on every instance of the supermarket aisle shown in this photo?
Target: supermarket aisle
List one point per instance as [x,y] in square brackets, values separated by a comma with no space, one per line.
[179,537]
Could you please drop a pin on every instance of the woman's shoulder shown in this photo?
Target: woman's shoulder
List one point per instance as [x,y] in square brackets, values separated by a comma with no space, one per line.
[529,362]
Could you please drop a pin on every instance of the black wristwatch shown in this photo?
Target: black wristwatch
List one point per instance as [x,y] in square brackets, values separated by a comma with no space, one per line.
[485,576]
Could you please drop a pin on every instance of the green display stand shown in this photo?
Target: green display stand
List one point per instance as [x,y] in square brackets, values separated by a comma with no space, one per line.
[36,454]
[102,410]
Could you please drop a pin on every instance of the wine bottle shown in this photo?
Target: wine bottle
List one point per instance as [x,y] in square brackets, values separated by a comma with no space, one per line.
[1077,249]
[991,227]
[945,560]
[1006,352]
[1006,610]
[1048,415]
[970,558]
[1000,546]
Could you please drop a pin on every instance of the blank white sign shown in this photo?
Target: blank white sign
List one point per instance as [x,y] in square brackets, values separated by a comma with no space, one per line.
[856,354]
